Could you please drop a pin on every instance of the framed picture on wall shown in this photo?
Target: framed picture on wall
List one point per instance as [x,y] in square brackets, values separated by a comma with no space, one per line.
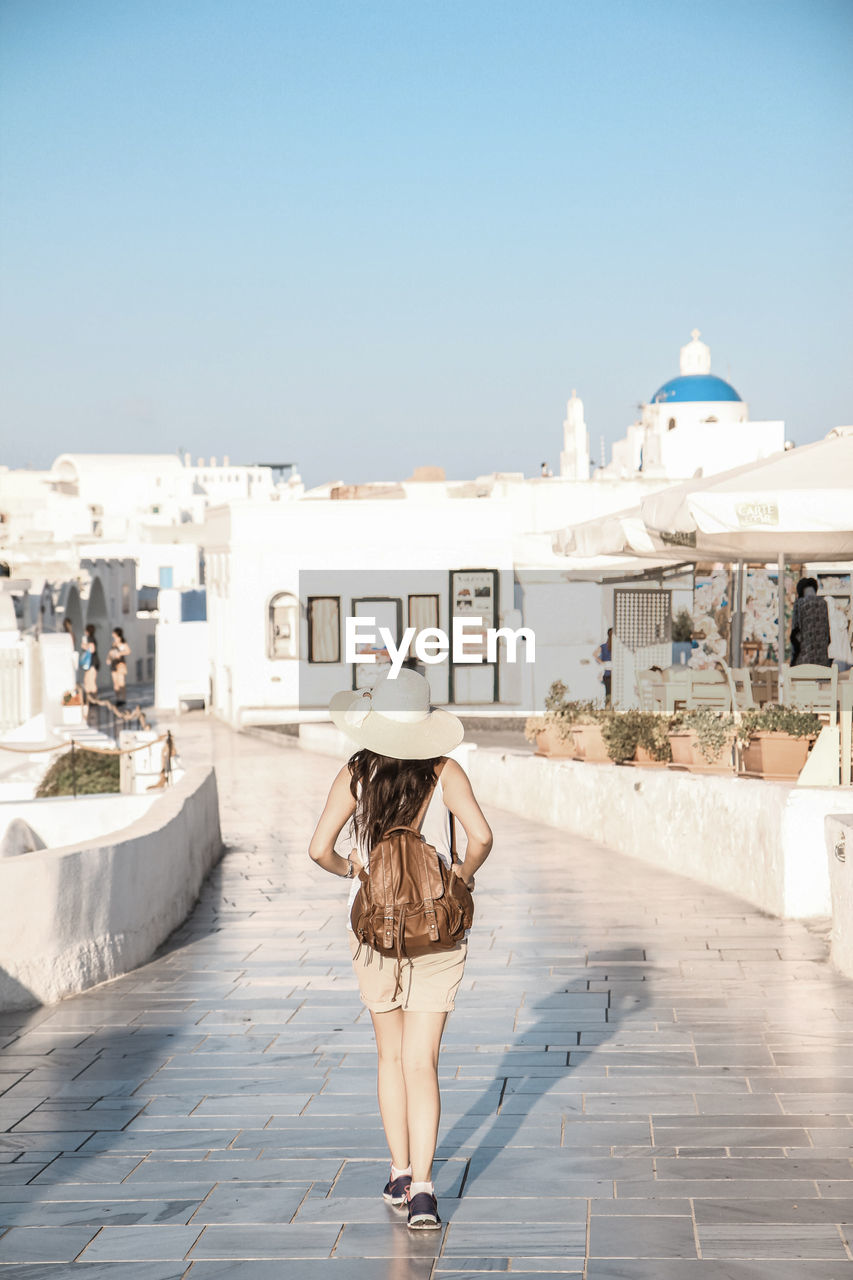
[473,593]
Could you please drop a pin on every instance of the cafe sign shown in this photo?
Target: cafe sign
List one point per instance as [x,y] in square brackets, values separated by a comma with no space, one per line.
[757,515]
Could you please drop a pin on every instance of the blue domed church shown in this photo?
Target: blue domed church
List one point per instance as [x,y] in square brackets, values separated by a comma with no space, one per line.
[694,424]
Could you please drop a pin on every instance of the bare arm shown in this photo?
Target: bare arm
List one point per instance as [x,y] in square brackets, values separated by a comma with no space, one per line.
[339,808]
[460,800]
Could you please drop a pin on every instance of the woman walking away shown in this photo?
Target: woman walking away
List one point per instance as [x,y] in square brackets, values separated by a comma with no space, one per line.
[117,662]
[400,777]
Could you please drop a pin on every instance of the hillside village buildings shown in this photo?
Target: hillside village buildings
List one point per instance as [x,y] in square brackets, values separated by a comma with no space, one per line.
[109,538]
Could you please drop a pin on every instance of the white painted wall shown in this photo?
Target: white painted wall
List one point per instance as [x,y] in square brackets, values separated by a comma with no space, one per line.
[75,916]
[762,841]
[255,552]
[64,820]
[183,656]
[839,852]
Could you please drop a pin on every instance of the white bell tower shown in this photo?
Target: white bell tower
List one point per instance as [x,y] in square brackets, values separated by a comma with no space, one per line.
[695,356]
[574,459]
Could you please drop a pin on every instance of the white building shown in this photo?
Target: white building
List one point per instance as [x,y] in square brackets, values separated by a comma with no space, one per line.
[255,539]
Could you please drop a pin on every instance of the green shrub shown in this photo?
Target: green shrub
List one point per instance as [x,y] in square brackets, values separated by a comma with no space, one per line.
[534,725]
[682,626]
[654,735]
[95,773]
[772,718]
[624,731]
[561,712]
[556,697]
[712,729]
[620,732]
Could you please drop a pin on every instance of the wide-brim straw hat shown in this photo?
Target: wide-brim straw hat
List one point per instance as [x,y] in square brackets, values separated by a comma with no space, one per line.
[395,719]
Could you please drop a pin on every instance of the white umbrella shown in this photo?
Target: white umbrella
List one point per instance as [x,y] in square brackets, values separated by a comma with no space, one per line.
[622,533]
[797,504]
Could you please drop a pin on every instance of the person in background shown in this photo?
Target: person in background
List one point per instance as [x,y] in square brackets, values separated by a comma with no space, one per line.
[89,663]
[604,657]
[117,662]
[809,626]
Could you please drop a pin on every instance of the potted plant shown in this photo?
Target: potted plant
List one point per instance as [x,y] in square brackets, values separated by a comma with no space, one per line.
[682,635]
[619,732]
[776,740]
[636,737]
[653,746]
[587,729]
[72,706]
[551,737]
[702,741]
[552,732]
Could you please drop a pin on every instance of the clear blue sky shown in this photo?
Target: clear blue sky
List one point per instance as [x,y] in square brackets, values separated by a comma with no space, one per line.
[367,236]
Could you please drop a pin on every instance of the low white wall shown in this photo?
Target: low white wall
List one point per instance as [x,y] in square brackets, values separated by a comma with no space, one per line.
[839,849]
[74,916]
[62,820]
[763,841]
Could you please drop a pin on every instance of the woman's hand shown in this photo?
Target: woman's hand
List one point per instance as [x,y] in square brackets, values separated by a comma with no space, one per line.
[459,870]
[357,865]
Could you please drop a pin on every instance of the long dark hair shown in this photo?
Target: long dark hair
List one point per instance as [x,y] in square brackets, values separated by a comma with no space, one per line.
[392,792]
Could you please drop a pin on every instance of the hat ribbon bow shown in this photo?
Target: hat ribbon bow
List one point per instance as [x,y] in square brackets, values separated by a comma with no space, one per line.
[360,710]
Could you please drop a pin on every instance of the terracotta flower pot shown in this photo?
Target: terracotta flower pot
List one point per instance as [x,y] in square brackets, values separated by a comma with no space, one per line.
[775,755]
[549,743]
[589,744]
[686,753]
[643,756]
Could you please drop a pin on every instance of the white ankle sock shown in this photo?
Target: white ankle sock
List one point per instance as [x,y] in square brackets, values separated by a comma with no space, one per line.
[417,1187]
[399,1173]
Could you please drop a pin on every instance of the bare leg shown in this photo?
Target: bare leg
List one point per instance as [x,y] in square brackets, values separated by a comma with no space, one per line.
[391,1087]
[421,1041]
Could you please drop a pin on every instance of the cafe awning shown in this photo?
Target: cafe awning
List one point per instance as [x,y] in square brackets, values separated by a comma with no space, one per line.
[797,504]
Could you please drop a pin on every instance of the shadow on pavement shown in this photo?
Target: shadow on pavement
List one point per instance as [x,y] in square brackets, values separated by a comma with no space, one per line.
[522,1089]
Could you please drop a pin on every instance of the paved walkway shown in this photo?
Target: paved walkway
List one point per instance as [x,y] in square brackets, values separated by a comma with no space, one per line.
[644,1080]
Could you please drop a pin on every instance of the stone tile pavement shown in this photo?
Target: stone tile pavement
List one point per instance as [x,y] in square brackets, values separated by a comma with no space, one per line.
[644,1079]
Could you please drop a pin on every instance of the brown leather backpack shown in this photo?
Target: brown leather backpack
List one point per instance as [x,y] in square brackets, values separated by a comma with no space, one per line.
[410,903]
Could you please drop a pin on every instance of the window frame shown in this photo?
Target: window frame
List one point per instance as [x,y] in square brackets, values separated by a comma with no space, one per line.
[422,595]
[293,600]
[309,606]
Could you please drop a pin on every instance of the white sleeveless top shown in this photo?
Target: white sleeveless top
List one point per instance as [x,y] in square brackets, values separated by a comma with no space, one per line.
[435,829]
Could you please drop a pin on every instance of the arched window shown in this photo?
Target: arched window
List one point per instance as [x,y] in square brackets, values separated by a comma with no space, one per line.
[283,626]
[671,425]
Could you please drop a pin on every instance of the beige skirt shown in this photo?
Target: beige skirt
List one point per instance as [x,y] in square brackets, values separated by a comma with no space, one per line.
[429,982]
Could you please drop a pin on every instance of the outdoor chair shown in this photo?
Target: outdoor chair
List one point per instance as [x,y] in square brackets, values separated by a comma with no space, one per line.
[739,681]
[810,687]
[709,690]
[646,681]
[673,689]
